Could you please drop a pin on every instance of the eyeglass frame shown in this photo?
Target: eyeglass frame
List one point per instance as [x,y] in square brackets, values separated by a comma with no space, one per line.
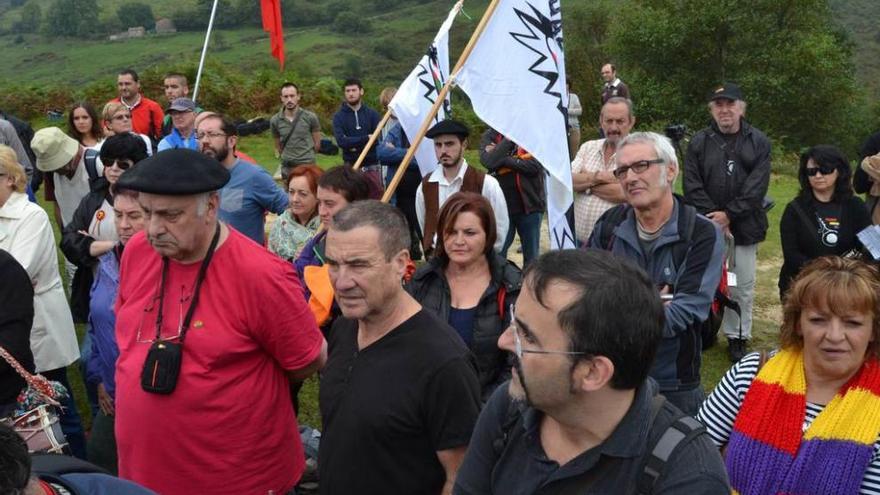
[128,163]
[813,171]
[210,135]
[517,342]
[620,172]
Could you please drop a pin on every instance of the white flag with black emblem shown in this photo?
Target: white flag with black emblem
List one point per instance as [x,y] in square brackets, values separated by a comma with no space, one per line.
[515,78]
[419,91]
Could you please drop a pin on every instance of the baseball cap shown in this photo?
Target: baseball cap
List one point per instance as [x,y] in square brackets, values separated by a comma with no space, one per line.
[728,91]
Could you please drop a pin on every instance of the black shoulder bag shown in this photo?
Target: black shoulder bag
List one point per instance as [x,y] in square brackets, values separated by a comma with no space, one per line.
[162,366]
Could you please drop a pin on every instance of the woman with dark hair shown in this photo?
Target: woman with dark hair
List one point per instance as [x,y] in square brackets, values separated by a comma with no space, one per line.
[469,285]
[91,232]
[293,228]
[84,125]
[825,216]
[806,419]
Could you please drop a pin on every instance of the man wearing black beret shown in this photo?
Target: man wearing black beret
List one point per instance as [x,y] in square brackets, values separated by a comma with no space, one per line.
[454,175]
[205,355]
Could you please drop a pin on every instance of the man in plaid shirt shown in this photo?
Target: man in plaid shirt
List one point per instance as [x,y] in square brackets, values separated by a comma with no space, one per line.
[596,189]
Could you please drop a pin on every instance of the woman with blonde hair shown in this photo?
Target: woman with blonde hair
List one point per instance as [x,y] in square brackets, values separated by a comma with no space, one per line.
[117,119]
[807,420]
[25,232]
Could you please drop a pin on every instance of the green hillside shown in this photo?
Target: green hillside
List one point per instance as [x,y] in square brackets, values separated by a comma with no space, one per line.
[859,17]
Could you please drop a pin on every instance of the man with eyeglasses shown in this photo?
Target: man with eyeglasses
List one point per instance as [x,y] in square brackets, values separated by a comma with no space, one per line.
[579,414]
[251,192]
[679,249]
[726,177]
[211,330]
[183,133]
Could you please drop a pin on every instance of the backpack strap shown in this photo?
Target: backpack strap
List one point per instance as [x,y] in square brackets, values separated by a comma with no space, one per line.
[500,297]
[687,218]
[91,159]
[610,220]
[512,417]
[681,431]
[805,219]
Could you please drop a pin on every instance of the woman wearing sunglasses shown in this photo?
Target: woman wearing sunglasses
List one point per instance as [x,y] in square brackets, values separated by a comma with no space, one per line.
[91,232]
[825,216]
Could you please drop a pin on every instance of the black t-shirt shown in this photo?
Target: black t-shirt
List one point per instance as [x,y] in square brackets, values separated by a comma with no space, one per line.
[388,409]
[16,318]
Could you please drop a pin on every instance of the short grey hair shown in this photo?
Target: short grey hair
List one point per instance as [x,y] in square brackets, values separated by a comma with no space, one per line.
[615,100]
[393,229]
[202,202]
[662,147]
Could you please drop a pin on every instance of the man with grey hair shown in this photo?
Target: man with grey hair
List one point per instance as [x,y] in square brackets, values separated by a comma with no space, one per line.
[726,177]
[678,248]
[399,396]
[204,351]
[595,187]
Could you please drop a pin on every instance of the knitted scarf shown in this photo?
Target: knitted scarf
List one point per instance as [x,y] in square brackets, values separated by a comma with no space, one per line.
[770,454]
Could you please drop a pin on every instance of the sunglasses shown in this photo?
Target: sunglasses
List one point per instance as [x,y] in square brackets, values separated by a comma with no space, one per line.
[824,169]
[122,164]
[637,167]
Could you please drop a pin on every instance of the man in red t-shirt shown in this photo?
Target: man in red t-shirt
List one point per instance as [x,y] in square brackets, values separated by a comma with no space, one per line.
[146,114]
[235,314]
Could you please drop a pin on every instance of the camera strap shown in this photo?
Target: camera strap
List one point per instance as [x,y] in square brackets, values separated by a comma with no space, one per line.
[203,270]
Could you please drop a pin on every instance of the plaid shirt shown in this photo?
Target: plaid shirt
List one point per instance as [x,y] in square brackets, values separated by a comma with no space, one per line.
[588,207]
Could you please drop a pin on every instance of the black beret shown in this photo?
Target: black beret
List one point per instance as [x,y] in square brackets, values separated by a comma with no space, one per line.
[448,126]
[175,172]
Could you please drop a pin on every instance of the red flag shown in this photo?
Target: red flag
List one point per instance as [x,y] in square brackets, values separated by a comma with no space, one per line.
[271,10]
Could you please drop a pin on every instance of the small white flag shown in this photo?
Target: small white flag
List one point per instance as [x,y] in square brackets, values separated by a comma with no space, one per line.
[419,91]
[515,78]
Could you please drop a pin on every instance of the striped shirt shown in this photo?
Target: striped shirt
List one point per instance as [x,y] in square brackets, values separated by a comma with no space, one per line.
[720,409]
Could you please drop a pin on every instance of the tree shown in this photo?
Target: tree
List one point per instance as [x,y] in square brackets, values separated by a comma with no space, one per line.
[31,15]
[136,14]
[793,64]
[351,24]
[77,18]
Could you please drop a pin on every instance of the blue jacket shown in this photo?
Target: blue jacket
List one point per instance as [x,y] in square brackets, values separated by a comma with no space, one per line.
[353,129]
[247,196]
[392,157]
[677,365]
[174,141]
[101,365]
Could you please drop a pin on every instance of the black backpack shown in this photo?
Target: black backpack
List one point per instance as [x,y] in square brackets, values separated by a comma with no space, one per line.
[686,219]
[680,430]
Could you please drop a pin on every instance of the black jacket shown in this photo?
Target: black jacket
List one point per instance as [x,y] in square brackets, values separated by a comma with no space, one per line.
[430,288]
[75,247]
[16,319]
[801,243]
[522,181]
[710,184]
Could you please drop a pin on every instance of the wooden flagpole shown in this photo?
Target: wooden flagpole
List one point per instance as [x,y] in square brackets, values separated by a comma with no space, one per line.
[373,138]
[441,97]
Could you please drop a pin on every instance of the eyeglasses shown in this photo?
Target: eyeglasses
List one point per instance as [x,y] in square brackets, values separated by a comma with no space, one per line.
[517,343]
[209,135]
[122,164]
[637,167]
[124,116]
[824,169]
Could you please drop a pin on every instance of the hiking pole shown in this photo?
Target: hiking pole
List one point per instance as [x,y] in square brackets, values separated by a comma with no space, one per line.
[205,50]
[373,138]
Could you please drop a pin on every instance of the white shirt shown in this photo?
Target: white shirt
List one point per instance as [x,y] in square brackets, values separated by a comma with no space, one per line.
[25,232]
[491,191]
[69,192]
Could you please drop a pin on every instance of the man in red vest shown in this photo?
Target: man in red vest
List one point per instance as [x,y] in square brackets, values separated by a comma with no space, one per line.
[454,175]
[146,114]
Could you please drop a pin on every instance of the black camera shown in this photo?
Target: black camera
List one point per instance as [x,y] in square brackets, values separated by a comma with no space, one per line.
[676,132]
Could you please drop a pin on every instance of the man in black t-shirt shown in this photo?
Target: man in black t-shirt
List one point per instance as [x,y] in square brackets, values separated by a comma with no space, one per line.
[399,395]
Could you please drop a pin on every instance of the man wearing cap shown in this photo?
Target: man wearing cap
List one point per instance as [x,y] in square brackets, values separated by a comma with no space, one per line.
[726,176]
[59,153]
[183,135]
[453,175]
[251,192]
[205,356]
[146,114]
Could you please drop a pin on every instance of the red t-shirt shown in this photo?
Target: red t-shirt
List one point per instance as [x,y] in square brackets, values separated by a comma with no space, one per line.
[146,118]
[229,426]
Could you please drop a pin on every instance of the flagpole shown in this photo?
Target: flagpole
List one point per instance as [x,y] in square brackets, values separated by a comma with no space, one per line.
[204,50]
[373,137]
[441,97]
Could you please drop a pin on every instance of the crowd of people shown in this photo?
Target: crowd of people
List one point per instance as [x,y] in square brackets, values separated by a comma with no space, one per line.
[577,372]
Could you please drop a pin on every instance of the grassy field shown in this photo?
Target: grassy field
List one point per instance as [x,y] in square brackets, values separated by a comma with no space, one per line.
[767,315]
